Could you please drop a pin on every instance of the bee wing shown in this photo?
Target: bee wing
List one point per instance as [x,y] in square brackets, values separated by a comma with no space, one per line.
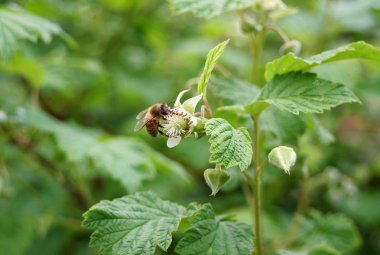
[142,114]
[140,124]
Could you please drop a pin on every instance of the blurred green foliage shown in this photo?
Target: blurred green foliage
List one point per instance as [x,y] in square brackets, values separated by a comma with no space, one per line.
[91,66]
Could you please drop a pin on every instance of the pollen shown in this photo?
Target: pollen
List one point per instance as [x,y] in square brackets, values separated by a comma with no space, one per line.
[178,123]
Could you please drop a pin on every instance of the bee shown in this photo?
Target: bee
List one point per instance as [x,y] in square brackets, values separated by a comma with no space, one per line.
[150,118]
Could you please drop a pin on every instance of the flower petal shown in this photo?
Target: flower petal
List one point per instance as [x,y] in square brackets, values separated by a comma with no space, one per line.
[194,121]
[173,141]
[177,101]
[190,104]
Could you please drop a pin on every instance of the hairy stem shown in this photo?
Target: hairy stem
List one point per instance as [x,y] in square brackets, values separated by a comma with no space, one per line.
[257,186]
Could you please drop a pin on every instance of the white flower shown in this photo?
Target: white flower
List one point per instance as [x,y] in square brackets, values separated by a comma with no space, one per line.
[180,122]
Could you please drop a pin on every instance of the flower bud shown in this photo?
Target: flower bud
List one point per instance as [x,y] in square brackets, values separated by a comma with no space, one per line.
[283,157]
[215,179]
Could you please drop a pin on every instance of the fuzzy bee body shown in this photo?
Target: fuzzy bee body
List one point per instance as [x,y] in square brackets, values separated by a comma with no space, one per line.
[150,118]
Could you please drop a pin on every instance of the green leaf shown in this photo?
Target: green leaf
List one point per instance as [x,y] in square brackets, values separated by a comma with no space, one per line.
[256,108]
[17,26]
[212,236]
[362,207]
[28,68]
[290,62]
[323,135]
[212,57]
[234,91]
[303,92]
[133,224]
[229,146]
[285,252]
[208,8]
[281,127]
[17,227]
[323,250]
[335,231]
[126,160]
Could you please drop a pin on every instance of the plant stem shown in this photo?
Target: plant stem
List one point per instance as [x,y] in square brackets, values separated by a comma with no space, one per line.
[257,45]
[208,109]
[257,185]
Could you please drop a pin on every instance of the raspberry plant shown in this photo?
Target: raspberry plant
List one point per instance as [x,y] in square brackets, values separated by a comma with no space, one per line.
[51,171]
[139,223]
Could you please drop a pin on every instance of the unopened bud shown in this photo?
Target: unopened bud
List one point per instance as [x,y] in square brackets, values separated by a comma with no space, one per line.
[215,179]
[283,157]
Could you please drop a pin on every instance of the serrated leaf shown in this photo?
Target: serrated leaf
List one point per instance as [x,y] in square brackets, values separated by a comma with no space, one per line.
[290,62]
[212,57]
[126,160]
[234,91]
[334,231]
[212,236]
[16,26]
[133,224]
[207,8]
[303,92]
[228,146]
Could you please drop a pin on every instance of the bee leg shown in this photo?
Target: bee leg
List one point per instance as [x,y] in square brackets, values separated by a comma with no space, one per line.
[162,133]
[158,129]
